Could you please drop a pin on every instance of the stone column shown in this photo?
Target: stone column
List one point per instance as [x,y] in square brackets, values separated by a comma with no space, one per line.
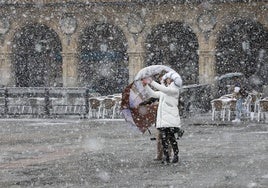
[206,66]
[69,70]
[5,70]
[136,60]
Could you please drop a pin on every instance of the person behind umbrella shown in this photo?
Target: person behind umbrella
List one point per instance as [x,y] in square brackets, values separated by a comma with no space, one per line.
[168,118]
[159,148]
[240,94]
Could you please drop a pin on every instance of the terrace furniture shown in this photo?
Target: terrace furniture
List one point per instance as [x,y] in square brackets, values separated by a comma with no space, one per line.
[262,109]
[95,106]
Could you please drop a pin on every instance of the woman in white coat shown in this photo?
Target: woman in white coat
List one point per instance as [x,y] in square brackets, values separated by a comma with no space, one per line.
[168,118]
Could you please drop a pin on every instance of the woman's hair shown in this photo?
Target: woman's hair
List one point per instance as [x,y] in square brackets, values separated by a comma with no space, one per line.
[159,76]
[174,76]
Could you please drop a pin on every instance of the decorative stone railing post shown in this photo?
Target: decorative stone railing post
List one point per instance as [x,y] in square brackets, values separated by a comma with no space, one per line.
[47,103]
[6,101]
[86,102]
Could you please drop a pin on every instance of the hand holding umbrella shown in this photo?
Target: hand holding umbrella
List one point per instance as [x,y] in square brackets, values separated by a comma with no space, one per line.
[146,81]
[143,113]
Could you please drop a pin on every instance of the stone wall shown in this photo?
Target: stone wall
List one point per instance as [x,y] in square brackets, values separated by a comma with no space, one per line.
[136,21]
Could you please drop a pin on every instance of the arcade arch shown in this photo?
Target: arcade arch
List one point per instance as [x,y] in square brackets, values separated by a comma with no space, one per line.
[36,57]
[242,47]
[103,59]
[174,44]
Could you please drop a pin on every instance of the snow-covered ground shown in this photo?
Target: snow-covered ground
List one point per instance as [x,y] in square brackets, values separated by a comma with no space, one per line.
[105,153]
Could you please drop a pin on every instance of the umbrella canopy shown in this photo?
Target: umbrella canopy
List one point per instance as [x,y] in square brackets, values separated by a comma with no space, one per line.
[231,75]
[137,108]
[135,111]
[225,81]
[151,71]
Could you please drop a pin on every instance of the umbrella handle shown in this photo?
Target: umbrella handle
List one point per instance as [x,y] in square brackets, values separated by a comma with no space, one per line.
[153,138]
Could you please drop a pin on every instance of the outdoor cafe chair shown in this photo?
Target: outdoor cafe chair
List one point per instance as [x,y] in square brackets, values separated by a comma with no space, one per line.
[256,97]
[262,108]
[95,106]
[247,105]
[109,106]
[118,99]
[218,109]
[231,109]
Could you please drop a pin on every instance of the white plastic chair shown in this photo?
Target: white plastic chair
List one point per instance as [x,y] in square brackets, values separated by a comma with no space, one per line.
[255,105]
[109,105]
[94,108]
[247,105]
[263,108]
[118,100]
[217,108]
[230,108]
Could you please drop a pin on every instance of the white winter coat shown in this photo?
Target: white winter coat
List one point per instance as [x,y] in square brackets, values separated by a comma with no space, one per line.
[168,112]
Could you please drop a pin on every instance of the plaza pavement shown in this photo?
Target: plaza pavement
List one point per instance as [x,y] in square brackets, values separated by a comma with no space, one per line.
[108,153]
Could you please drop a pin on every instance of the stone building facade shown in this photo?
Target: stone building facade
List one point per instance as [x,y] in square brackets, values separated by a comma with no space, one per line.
[72,43]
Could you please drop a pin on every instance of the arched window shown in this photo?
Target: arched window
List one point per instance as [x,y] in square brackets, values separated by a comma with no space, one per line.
[37,60]
[174,44]
[243,47]
[103,59]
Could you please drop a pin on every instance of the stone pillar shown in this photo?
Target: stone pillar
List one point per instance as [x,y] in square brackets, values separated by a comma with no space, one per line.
[5,70]
[136,60]
[69,70]
[206,66]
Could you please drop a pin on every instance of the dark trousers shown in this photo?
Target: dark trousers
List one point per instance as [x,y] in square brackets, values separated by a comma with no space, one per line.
[168,136]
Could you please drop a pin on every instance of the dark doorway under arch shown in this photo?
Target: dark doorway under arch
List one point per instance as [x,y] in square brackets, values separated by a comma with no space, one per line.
[103,59]
[243,47]
[176,45]
[37,60]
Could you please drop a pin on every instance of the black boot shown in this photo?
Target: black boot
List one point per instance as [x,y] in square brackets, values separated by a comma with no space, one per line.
[165,144]
[175,150]
[175,159]
[166,160]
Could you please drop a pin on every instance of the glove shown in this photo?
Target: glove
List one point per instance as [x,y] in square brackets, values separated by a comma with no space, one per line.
[147,80]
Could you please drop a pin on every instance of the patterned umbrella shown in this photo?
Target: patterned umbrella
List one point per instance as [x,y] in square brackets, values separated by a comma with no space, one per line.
[151,71]
[137,108]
